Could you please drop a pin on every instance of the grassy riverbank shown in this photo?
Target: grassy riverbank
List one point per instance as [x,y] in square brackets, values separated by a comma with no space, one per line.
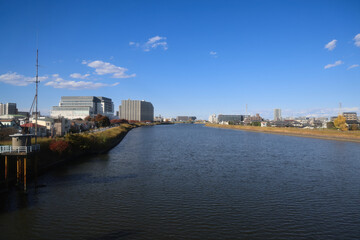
[352,136]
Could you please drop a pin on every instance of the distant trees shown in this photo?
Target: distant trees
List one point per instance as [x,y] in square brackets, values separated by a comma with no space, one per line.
[330,125]
[118,121]
[257,124]
[354,127]
[99,120]
[5,132]
[340,123]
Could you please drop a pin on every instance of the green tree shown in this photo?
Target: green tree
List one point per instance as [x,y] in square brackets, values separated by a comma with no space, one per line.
[330,125]
[340,123]
[257,124]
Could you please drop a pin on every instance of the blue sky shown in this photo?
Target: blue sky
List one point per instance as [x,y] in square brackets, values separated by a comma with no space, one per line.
[186,57]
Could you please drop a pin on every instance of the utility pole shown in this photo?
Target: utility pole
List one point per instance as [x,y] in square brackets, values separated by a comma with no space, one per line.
[340,108]
[36,94]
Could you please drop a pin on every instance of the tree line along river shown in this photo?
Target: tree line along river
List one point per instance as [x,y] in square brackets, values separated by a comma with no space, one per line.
[187,181]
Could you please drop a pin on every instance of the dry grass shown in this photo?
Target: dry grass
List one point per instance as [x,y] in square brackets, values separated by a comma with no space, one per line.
[315,133]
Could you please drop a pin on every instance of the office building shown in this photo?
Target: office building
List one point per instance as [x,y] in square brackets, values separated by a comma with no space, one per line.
[8,109]
[277,114]
[72,107]
[136,110]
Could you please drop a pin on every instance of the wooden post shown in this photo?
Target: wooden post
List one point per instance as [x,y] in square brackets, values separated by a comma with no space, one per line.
[25,174]
[6,171]
[36,168]
[17,170]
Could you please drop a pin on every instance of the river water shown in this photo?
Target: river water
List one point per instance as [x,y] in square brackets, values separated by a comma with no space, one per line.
[192,182]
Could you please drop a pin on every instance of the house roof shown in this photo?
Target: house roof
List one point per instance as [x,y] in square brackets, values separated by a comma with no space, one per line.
[6,120]
[31,125]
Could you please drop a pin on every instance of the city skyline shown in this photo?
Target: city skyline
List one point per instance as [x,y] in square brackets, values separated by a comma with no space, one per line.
[187,58]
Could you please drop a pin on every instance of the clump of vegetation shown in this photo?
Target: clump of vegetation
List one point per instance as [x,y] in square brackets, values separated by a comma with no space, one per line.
[59,146]
[330,125]
[354,127]
[5,132]
[100,120]
[340,123]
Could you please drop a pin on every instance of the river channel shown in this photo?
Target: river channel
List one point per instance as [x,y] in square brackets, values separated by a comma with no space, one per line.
[187,181]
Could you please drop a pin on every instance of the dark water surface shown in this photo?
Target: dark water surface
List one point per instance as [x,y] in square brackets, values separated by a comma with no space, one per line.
[193,182]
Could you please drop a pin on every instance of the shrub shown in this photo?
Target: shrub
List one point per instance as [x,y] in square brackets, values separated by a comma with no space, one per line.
[59,146]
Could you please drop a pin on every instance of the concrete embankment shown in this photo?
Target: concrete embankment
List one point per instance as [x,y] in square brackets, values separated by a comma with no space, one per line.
[55,152]
[349,136]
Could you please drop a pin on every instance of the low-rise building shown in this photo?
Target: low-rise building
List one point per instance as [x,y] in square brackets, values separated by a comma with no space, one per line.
[185,118]
[9,123]
[230,118]
[61,126]
[30,129]
[350,116]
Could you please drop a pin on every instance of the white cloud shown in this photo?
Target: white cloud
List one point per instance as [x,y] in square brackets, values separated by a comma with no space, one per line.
[353,66]
[156,41]
[357,40]
[134,44]
[213,53]
[152,43]
[19,80]
[79,76]
[337,63]
[58,82]
[331,45]
[102,68]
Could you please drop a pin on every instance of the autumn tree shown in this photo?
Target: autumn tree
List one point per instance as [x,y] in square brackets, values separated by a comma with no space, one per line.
[340,123]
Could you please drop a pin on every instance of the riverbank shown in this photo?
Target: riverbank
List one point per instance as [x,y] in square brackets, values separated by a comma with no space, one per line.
[58,151]
[349,136]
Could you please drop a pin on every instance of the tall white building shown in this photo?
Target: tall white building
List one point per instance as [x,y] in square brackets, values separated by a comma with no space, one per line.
[277,114]
[213,118]
[136,110]
[8,109]
[72,107]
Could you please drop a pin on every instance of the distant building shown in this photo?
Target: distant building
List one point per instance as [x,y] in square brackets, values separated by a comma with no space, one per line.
[230,118]
[256,118]
[8,122]
[8,109]
[136,110]
[185,118]
[73,107]
[61,126]
[277,114]
[350,116]
[213,118]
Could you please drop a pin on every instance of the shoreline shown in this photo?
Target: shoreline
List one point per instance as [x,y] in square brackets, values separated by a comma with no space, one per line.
[48,160]
[296,132]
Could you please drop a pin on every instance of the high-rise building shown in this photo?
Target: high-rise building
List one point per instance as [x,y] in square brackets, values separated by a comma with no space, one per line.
[8,109]
[136,110]
[73,107]
[277,114]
